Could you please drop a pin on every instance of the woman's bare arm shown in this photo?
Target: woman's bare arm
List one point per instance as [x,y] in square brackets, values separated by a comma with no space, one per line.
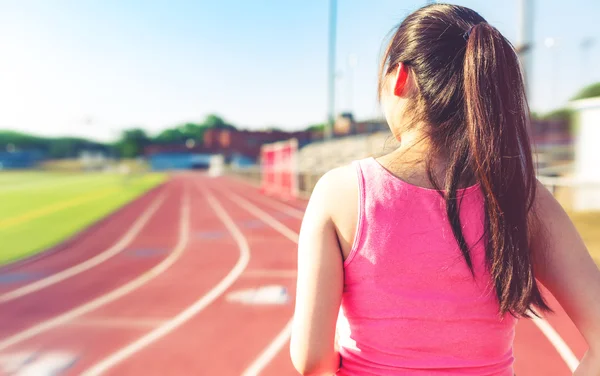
[564,265]
[320,284]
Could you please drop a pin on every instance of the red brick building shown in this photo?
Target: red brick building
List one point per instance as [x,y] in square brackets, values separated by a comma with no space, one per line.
[551,132]
[346,125]
[230,142]
[247,143]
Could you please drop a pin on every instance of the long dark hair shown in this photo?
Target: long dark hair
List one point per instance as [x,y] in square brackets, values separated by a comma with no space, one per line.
[472,97]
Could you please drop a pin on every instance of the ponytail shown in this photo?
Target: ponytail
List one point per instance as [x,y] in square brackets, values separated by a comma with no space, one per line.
[497,115]
[472,98]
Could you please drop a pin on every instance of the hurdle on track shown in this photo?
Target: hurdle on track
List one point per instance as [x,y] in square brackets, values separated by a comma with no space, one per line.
[279,169]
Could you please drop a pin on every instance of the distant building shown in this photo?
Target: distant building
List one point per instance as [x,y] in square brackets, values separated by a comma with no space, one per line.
[20,159]
[93,159]
[246,144]
[241,148]
[179,161]
[553,143]
[346,125]
[372,126]
[177,157]
[587,153]
[550,132]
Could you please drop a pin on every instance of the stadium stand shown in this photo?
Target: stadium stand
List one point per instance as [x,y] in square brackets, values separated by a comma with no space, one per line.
[323,156]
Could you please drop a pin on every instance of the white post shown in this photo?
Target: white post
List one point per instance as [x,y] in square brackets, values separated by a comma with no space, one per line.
[331,69]
[524,39]
[295,167]
[587,154]
[278,167]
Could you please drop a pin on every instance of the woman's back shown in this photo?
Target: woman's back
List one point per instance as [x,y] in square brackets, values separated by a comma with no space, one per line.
[421,291]
[410,304]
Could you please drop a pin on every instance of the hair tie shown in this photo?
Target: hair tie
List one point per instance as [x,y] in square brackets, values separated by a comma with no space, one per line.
[467,33]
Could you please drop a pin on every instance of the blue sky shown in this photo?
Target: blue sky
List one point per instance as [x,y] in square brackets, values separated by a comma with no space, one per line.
[94,67]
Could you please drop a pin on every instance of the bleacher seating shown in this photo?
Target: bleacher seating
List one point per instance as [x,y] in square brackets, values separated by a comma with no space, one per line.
[319,157]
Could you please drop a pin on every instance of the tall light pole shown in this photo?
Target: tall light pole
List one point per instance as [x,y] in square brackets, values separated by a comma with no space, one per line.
[331,70]
[551,44]
[524,38]
[352,63]
[585,46]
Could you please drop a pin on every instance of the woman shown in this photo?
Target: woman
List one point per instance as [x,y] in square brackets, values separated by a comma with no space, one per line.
[421,262]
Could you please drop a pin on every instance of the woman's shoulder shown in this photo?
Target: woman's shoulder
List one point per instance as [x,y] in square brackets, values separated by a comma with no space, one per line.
[337,182]
[336,199]
[336,192]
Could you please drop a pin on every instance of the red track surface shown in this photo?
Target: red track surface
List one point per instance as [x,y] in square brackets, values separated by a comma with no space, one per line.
[221,337]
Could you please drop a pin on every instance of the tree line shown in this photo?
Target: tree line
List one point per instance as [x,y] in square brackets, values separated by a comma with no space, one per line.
[52,147]
[566,114]
[132,141]
[130,144]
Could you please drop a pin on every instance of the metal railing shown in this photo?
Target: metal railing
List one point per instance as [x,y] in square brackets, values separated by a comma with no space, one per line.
[573,194]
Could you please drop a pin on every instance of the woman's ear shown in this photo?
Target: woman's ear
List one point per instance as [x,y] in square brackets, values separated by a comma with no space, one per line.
[401,80]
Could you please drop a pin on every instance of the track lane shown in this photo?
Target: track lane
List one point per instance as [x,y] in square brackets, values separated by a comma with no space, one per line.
[561,322]
[82,246]
[21,315]
[255,190]
[227,335]
[196,270]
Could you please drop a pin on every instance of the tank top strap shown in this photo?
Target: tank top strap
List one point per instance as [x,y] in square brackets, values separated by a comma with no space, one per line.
[364,173]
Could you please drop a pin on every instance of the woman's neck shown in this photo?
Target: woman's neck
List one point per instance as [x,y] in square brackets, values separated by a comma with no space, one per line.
[409,161]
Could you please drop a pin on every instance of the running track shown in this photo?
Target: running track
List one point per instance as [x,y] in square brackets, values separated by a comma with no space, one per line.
[147,291]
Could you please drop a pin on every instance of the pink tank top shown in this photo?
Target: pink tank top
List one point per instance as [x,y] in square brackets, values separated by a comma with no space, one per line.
[410,305]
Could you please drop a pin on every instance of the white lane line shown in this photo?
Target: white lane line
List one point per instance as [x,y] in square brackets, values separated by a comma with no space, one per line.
[119,322]
[283,337]
[114,294]
[276,204]
[265,217]
[116,248]
[556,340]
[303,195]
[270,352]
[195,308]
